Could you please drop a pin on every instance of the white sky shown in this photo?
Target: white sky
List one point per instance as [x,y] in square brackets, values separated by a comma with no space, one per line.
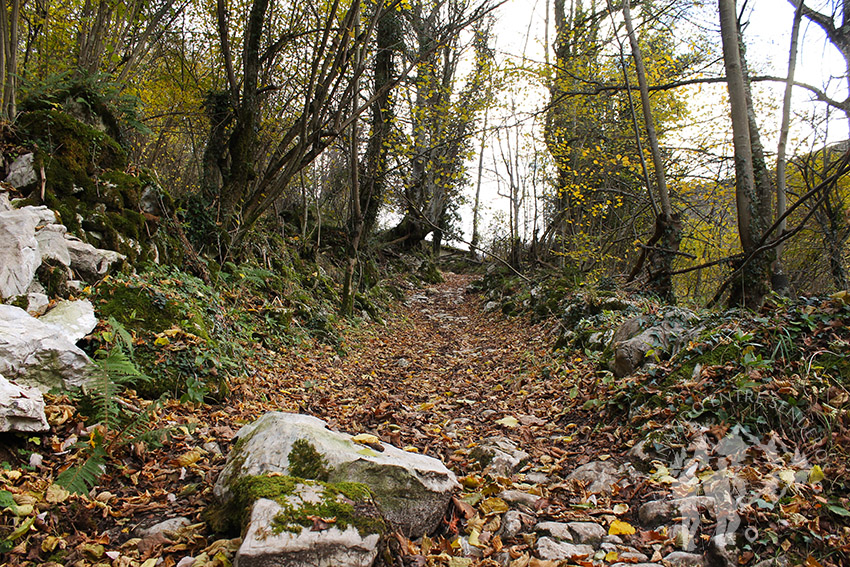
[520,29]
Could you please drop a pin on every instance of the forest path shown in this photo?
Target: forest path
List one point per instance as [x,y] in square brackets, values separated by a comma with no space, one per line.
[438,376]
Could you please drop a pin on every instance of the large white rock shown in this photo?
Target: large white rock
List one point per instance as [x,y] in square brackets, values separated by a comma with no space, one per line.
[21,408]
[52,244]
[37,354]
[74,319]
[412,490]
[88,262]
[19,257]
[22,171]
[262,547]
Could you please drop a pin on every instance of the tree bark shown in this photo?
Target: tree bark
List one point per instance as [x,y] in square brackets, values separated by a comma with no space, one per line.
[750,289]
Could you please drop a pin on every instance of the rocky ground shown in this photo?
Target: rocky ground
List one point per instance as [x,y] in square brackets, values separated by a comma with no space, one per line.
[544,484]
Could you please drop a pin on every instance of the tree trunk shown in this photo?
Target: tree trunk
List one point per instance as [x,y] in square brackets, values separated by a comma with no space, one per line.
[750,288]
[778,277]
[668,228]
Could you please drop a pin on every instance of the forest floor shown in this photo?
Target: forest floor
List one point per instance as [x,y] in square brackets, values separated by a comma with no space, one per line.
[438,377]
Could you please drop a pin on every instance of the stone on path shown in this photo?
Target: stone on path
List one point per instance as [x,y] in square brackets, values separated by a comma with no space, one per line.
[548,548]
[499,456]
[412,490]
[265,545]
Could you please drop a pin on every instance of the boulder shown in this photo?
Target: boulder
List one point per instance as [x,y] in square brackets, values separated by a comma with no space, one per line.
[21,408]
[19,257]
[412,490]
[37,354]
[73,319]
[22,172]
[91,263]
[37,303]
[52,244]
[311,524]
[499,456]
[634,341]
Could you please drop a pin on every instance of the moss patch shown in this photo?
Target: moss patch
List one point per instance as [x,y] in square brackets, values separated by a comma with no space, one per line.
[349,503]
[306,462]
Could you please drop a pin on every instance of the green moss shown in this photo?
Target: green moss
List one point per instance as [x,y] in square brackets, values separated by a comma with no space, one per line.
[20,301]
[348,502]
[53,276]
[137,308]
[306,462]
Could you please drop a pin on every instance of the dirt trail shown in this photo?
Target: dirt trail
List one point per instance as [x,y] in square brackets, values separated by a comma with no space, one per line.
[437,376]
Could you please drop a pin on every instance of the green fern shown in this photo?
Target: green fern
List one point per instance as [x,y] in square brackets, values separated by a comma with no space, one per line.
[119,424]
[82,478]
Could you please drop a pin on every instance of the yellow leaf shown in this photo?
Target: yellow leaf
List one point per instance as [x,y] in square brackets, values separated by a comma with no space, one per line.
[612,556]
[366,439]
[162,341]
[816,475]
[150,562]
[618,527]
[508,421]
[494,506]
[56,494]
[189,458]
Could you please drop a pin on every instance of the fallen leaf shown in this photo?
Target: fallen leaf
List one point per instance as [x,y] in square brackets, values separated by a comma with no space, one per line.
[620,509]
[816,475]
[366,439]
[618,527]
[508,421]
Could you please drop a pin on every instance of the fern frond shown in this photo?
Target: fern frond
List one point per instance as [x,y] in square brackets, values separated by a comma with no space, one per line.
[122,333]
[82,478]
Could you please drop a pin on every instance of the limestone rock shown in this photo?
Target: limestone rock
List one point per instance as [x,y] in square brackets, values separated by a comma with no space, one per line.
[165,527]
[22,172]
[332,547]
[587,532]
[37,304]
[91,263]
[412,490]
[658,512]
[514,523]
[557,530]
[684,559]
[36,354]
[548,548]
[598,477]
[499,456]
[21,408]
[5,203]
[74,319]
[19,257]
[634,340]
[52,244]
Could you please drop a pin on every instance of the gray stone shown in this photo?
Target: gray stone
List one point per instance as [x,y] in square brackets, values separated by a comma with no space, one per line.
[262,547]
[613,539]
[36,354]
[37,303]
[587,532]
[19,256]
[5,204]
[514,523]
[658,512]
[149,201]
[519,497]
[21,408]
[499,456]
[166,527]
[412,490]
[775,562]
[598,477]
[684,559]
[557,530]
[548,548]
[52,244]
[91,263]
[665,337]
[22,172]
[74,319]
